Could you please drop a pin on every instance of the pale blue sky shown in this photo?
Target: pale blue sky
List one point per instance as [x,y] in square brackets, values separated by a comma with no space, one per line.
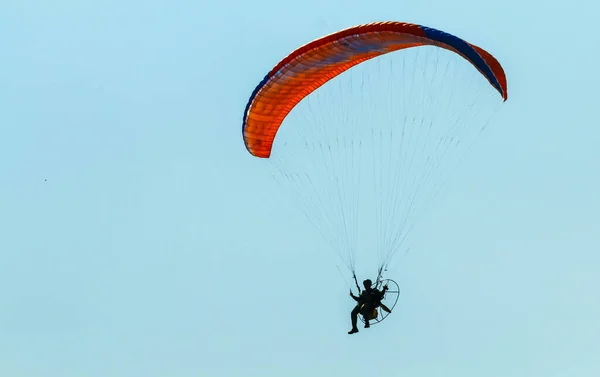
[155,247]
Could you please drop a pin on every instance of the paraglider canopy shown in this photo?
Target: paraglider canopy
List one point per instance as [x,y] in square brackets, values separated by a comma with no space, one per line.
[317,62]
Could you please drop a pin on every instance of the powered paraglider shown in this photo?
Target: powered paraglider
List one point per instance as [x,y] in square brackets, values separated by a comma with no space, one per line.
[364,125]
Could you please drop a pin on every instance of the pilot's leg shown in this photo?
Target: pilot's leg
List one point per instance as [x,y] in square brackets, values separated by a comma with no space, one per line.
[354,317]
